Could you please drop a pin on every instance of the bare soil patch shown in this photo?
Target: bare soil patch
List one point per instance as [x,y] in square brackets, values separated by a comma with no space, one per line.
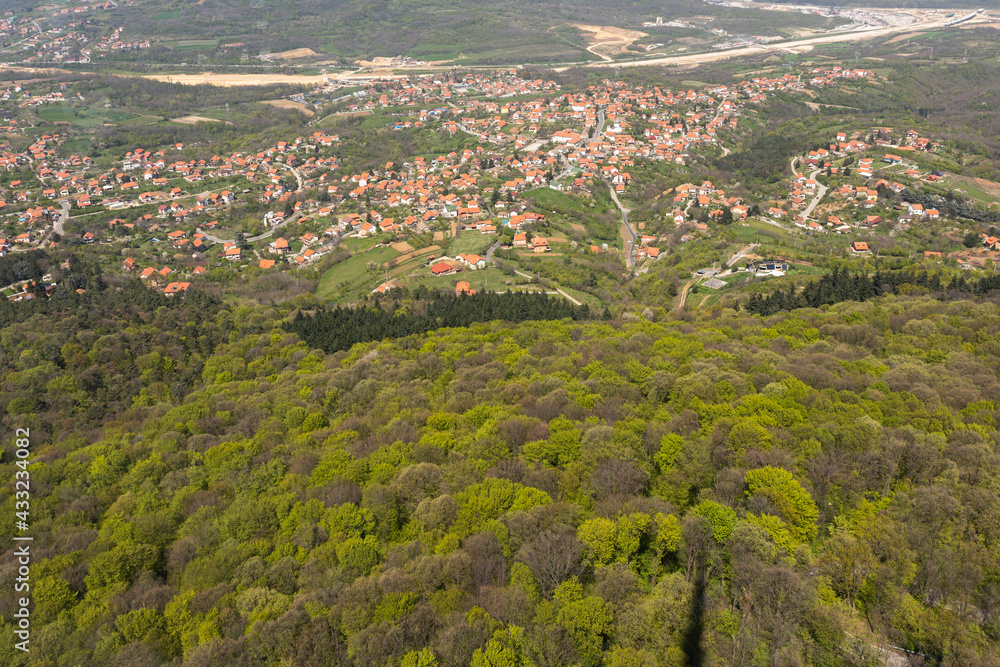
[975,256]
[228,80]
[296,53]
[989,187]
[352,114]
[191,120]
[402,247]
[288,104]
[607,39]
[577,227]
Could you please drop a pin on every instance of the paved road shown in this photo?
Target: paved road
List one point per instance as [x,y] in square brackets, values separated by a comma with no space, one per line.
[491,250]
[773,223]
[295,172]
[259,237]
[820,193]
[718,112]
[801,45]
[599,132]
[57,226]
[708,273]
[741,254]
[629,244]
[272,230]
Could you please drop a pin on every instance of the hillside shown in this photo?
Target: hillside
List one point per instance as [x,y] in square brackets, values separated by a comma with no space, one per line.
[468,32]
[310,355]
[715,489]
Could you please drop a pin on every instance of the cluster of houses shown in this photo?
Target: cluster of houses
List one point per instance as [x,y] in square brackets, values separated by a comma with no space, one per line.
[59,42]
[428,92]
[410,196]
[866,195]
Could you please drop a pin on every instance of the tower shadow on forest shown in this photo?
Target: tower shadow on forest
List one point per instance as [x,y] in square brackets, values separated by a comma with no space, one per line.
[691,643]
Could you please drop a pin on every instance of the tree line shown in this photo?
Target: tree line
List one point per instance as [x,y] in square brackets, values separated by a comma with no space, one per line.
[339,328]
[842,285]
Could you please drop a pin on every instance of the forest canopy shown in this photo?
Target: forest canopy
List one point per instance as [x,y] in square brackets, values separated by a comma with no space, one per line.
[801,488]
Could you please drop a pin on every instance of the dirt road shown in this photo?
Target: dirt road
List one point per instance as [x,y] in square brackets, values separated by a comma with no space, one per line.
[682,297]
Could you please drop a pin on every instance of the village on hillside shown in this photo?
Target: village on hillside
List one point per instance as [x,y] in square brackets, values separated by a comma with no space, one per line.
[178,213]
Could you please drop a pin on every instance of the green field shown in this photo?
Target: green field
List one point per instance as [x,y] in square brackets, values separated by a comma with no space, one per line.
[162,16]
[351,278]
[192,44]
[971,188]
[553,198]
[356,245]
[80,146]
[582,297]
[473,242]
[62,113]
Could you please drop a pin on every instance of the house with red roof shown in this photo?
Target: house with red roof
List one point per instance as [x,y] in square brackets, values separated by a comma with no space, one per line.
[443,269]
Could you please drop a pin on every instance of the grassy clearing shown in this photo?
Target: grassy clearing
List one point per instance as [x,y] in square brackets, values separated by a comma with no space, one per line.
[61,113]
[350,278]
[371,119]
[165,16]
[192,44]
[582,297]
[80,146]
[971,189]
[357,245]
[553,198]
[466,242]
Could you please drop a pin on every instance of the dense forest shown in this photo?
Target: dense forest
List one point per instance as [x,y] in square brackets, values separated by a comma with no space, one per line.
[840,285]
[337,329]
[805,488]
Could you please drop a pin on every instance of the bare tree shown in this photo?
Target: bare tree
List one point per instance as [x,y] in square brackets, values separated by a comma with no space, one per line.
[489,567]
[617,477]
[553,557]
